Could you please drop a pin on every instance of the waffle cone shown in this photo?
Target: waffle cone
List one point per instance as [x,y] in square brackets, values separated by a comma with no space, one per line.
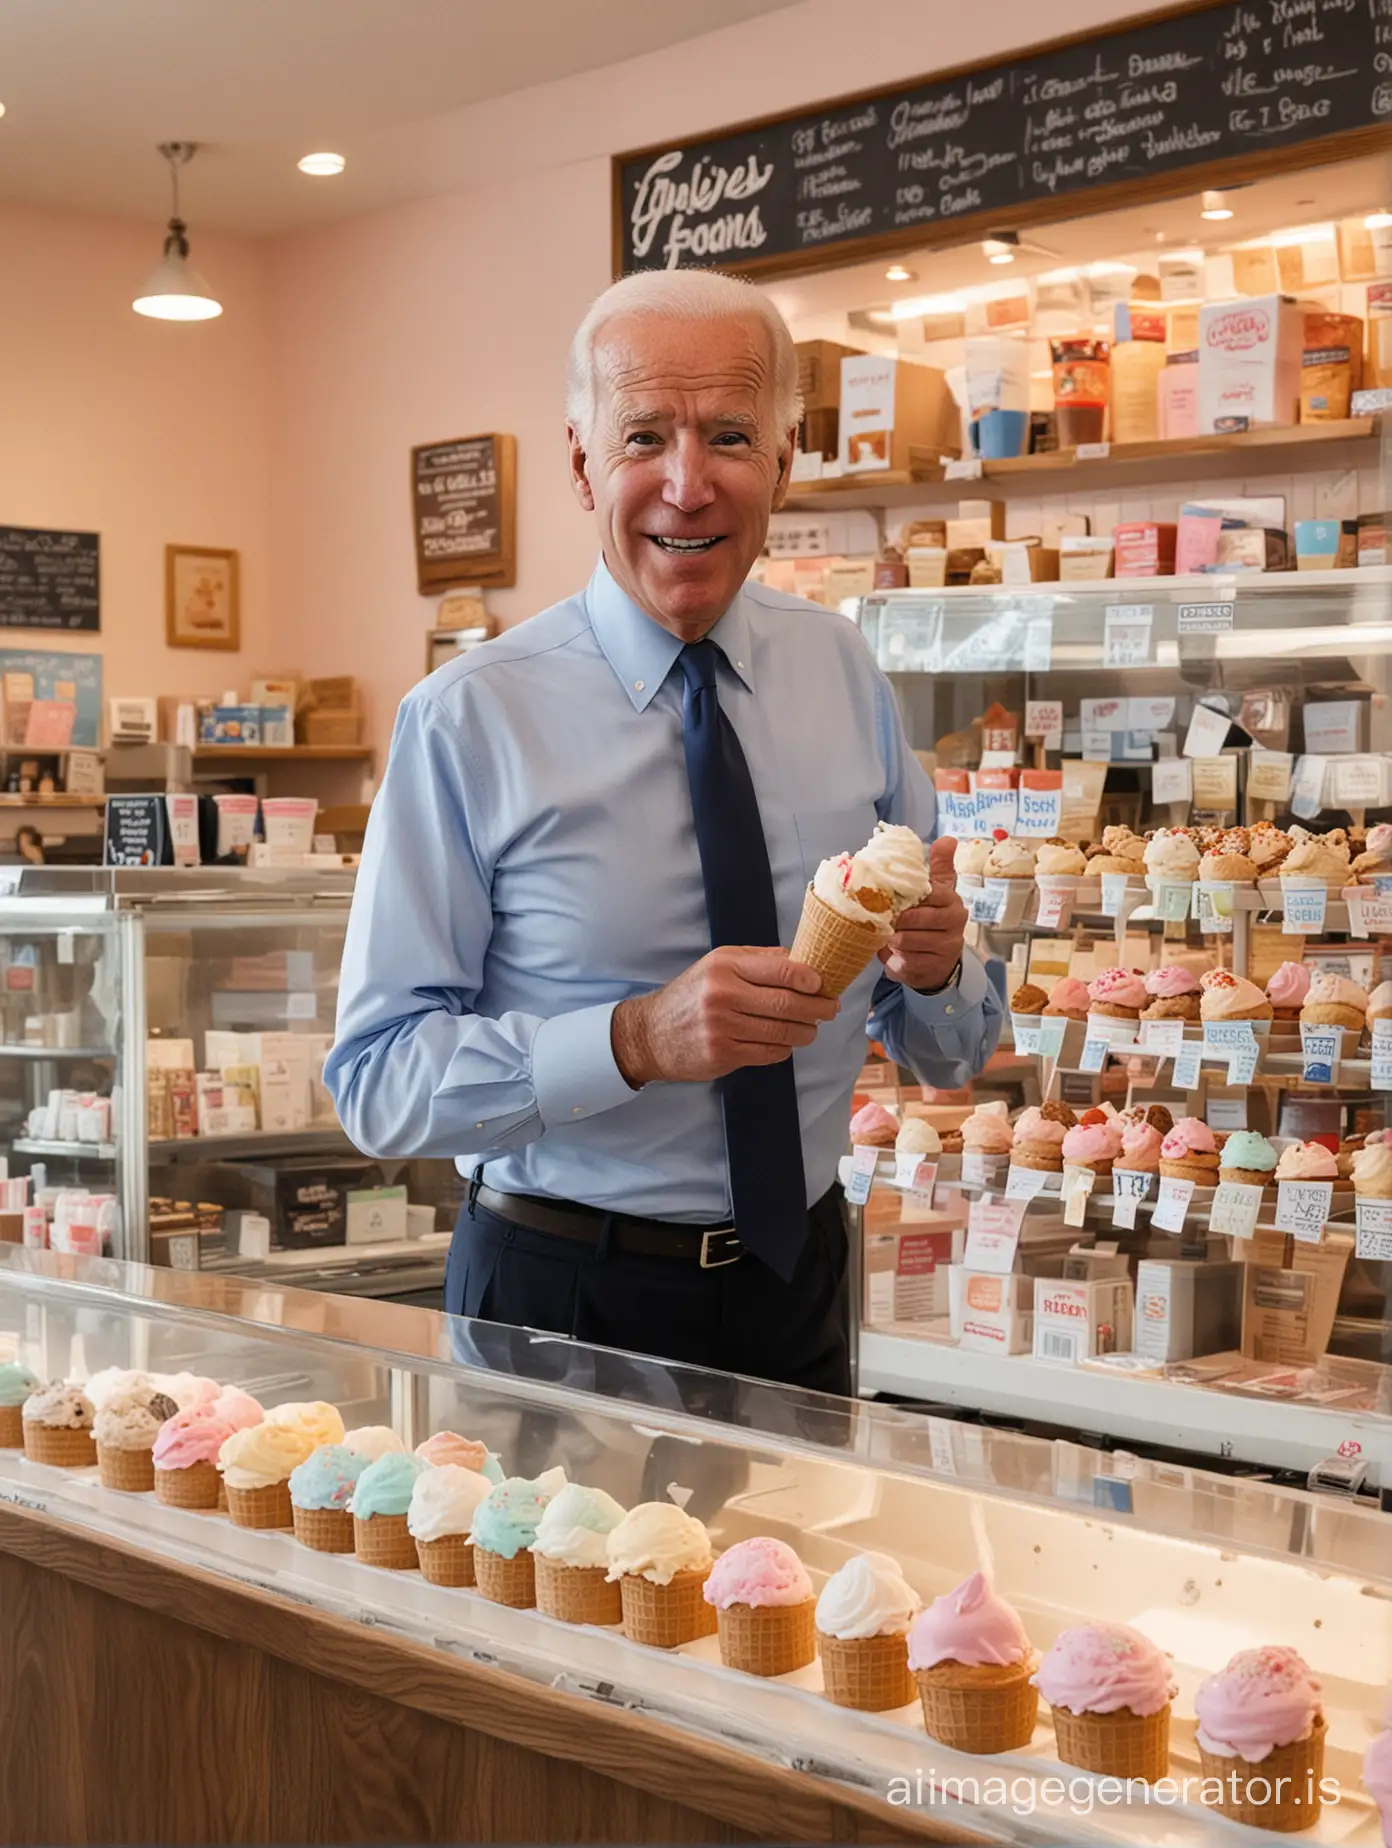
[1332,1014]
[132,1470]
[1300,1765]
[662,1616]
[1246,1177]
[11,1427]
[198,1486]
[869,1673]
[1201,1173]
[1114,1010]
[268,1507]
[448,1560]
[577,1594]
[1039,1157]
[385,1540]
[837,948]
[979,1709]
[59,1446]
[1120,1744]
[768,1639]
[506,1581]
[324,1530]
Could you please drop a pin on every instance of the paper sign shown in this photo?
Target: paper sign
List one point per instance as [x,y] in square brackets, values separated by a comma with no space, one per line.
[1094,1055]
[920,1192]
[1186,1066]
[1242,1063]
[906,1166]
[1025,1183]
[1092,452]
[1269,775]
[1040,799]
[1221,1036]
[1205,618]
[1039,644]
[1129,1188]
[1358,782]
[1172,1204]
[1305,908]
[1382,1055]
[1051,1034]
[973,1168]
[962,468]
[1307,787]
[1215,782]
[993,1232]
[1215,909]
[986,906]
[1043,718]
[1331,726]
[1172,900]
[1078,1184]
[995,807]
[863,1163]
[1126,634]
[1236,1208]
[1171,780]
[1208,730]
[1162,1036]
[1053,908]
[1319,1048]
[1302,1208]
[1151,713]
[1026,1038]
[1102,715]
[1097,746]
[1226,1112]
[1373,1238]
[1114,893]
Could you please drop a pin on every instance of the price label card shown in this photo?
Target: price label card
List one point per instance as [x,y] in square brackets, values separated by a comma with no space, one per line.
[1044,719]
[993,1233]
[920,1190]
[1215,909]
[905,1168]
[1269,775]
[1092,452]
[1186,1066]
[940,1445]
[1025,1183]
[986,906]
[1302,1208]
[1215,782]
[1172,1204]
[1097,746]
[973,1168]
[1373,1238]
[1026,1039]
[1382,1055]
[1236,1209]
[1331,726]
[1242,1064]
[1305,909]
[1206,618]
[1094,1055]
[1039,644]
[962,468]
[1152,712]
[1172,780]
[1053,907]
[1307,786]
[1173,901]
[1126,634]
[1163,1036]
[1222,1037]
[1382,884]
[863,1163]
[1129,1188]
[1319,1049]
[1040,802]
[1358,782]
[1114,893]
[1102,715]
[1078,1184]
[1208,729]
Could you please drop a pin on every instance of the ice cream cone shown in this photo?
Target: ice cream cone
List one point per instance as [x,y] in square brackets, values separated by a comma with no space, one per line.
[447,1561]
[1331,1014]
[60,1446]
[11,1427]
[1246,1177]
[664,1615]
[323,1530]
[1121,1744]
[1280,1792]
[385,1540]
[576,1594]
[197,1486]
[132,1470]
[506,1581]
[1203,1174]
[869,1673]
[985,1709]
[1039,1157]
[265,1507]
[768,1639]
[837,948]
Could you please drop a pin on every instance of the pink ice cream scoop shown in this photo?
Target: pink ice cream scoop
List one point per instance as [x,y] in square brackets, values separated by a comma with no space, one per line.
[239,1408]
[873,1124]
[1123,987]
[1102,1667]
[1033,1126]
[970,1625]
[1069,995]
[1262,1699]
[1289,985]
[448,1447]
[1377,1776]
[1089,1142]
[1190,1136]
[1307,1161]
[1140,1145]
[1168,983]
[758,1571]
[190,1437]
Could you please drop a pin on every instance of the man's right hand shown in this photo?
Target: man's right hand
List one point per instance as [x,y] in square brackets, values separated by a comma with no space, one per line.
[735,1007]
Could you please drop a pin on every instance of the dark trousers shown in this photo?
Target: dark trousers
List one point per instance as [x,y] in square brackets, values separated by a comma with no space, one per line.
[739,1318]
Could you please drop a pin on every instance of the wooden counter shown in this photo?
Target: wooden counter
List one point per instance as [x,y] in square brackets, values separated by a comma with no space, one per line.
[143,1700]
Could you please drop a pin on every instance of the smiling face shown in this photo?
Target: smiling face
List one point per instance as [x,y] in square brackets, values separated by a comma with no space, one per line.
[684,462]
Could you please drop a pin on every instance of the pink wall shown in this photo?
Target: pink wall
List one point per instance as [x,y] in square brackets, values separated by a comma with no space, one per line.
[143,431]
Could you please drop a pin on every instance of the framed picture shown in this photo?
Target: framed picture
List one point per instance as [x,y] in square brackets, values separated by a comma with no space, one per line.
[200,598]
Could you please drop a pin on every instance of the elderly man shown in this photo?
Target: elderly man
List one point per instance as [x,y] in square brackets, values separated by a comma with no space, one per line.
[594,833]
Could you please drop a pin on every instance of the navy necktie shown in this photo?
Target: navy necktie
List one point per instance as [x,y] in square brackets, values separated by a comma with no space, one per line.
[763,1141]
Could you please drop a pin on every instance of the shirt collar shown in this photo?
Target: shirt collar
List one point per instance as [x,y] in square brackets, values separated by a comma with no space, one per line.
[642,653]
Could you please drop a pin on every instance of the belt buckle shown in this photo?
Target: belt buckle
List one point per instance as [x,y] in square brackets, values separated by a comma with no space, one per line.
[728,1233]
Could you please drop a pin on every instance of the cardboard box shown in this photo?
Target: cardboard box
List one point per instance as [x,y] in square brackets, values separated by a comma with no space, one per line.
[906,1273]
[990,1314]
[1145,549]
[819,434]
[978,524]
[819,373]
[1249,363]
[927,566]
[1290,1296]
[1074,1317]
[1184,1309]
[305,1201]
[1252,548]
[1024,561]
[1082,557]
[888,407]
[1331,367]
[230,725]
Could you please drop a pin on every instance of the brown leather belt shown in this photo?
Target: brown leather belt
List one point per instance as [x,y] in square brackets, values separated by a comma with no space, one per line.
[709,1247]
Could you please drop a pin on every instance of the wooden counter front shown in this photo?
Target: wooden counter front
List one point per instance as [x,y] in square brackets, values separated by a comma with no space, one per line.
[143,1700]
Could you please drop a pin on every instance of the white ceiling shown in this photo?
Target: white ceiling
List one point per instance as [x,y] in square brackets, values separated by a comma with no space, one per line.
[91,86]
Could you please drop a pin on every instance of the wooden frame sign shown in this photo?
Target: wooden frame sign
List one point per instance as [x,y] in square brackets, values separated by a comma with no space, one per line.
[1201,93]
[464,512]
[202,597]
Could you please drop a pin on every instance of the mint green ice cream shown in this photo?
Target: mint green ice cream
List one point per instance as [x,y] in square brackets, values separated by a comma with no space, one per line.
[385,1486]
[16,1383]
[327,1477]
[506,1524]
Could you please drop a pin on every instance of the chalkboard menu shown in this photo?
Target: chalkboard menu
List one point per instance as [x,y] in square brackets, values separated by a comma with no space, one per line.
[464,505]
[49,580]
[1227,86]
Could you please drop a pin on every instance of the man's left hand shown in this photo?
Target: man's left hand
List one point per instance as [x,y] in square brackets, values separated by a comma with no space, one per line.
[927,946]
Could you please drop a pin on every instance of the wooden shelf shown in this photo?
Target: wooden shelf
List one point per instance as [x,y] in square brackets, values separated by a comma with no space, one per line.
[59,801]
[283,753]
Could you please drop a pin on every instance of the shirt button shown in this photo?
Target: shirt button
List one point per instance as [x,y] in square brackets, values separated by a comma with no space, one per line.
[478,1125]
[638,685]
[949,1007]
[577,1110]
[739,663]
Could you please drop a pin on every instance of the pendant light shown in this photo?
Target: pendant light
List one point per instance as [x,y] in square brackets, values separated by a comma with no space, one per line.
[176,291]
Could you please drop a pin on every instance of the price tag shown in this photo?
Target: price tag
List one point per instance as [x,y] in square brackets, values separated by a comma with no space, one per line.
[1051,1034]
[940,1445]
[1044,719]
[1165,1037]
[1040,802]
[1171,1204]
[1376,916]
[1173,901]
[1373,1238]
[1382,1055]
[1094,1055]
[1026,1038]
[1358,782]
[1319,1049]
[1236,1209]
[962,468]
[1208,729]
[986,906]
[1307,789]
[1222,1037]
[1206,618]
[1302,1208]
[1242,1063]
[906,1167]
[1269,775]
[1078,1184]
[1097,746]
[1092,452]
[1025,1183]
[1129,1188]
[1215,782]
[1226,1113]
[1053,908]
[1382,884]
[1126,634]
[1039,644]
[1215,909]
[921,1188]
[1171,780]
[864,1160]
[1114,893]
[973,1168]
[1102,715]
[1305,908]
[1186,1066]
[993,1232]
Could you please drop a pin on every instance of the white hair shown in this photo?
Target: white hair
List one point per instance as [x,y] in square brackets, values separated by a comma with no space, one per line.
[681,295]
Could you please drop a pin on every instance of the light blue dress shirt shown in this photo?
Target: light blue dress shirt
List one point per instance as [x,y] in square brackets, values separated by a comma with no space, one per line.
[531,861]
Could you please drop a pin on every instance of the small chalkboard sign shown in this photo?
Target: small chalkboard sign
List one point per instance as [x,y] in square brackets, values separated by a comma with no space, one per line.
[137,832]
[49,580]
[464,511]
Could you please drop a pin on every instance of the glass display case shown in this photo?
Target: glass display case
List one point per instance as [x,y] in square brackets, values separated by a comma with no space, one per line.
[1203,1566]
[161,1092]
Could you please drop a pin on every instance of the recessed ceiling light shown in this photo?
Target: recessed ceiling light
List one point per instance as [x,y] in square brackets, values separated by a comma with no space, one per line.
[1215,206]
[1377,221]
[2,109]
[897,273]
[322,165]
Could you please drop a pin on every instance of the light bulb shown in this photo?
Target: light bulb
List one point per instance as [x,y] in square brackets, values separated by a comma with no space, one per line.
[1215,206]
[1377,221]
[322,166]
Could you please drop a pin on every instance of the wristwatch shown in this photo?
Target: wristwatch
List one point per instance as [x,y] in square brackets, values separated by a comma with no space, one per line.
[943,987]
